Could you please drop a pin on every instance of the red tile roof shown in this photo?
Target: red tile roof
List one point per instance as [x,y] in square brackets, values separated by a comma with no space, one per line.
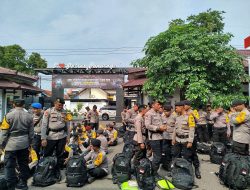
[134,83]
[6,71]
[6,84]
[136,69]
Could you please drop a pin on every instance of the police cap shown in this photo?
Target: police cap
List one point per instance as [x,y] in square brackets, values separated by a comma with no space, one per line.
[19,102]
[60,100]
[237,102]
[99,131]
[36,105]
[179,103]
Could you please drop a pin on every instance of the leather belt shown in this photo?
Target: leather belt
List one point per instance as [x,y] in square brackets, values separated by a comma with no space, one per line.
[182,136]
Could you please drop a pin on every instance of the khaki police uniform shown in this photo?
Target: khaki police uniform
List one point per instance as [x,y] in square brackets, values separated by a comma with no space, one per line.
[37,120]
[56,131]
[17,133]
[153,121]
[167,140]
[241,134]
[130,121]
[202,126]
[221,127]
[93,119]
[112,139]
[139,138]
[97,163]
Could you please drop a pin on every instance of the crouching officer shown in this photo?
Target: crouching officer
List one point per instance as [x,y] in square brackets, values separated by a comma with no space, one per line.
[55,133]
[183,136]
[154,124]
[16,136]
[97,162]
[241,133]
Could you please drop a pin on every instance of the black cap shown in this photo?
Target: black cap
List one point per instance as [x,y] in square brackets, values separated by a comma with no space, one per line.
[19,102]
[99,131]
[96,142]
[187,102]
[237,102]
[179,103]
[110,125]
[60,100]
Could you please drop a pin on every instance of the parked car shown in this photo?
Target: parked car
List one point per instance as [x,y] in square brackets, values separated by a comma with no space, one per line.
[107,112]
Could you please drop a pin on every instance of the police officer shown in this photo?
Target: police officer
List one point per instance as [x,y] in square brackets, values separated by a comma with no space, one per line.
[202,125]
[16,136]
[183,136]
[37,120]
[168,118]
[130,121]
[55,132]
[140,135]
[189,111]
[241,133]
[93,118]
[154,124]
[221,129]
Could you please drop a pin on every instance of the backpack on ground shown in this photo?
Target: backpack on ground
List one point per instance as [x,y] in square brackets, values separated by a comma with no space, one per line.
[235,171]
[144,175]
[45,173]
[128,150]
[121,169]
[218,151]
[182,174]
[76,172]
[202,148]
[129,185]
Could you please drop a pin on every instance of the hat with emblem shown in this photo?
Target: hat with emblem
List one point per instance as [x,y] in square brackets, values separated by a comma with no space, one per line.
[60,100]
[237,102]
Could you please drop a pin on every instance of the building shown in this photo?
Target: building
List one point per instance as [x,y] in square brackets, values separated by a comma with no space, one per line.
[14,85]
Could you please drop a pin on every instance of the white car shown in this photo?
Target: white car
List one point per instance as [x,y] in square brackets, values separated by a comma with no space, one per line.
[107,112]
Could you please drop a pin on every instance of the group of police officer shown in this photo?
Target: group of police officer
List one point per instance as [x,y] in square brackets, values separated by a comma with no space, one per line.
[173,133]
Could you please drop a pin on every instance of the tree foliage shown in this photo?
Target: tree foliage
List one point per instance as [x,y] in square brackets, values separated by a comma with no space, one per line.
[15,57]
[193,55]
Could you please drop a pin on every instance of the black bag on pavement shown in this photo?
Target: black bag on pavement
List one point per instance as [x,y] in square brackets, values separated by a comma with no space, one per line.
[144,175]
[235,171]
[121,169]
[182,174]
[218,151]
[128,150]
[45,173]
[76,172]
[203,148]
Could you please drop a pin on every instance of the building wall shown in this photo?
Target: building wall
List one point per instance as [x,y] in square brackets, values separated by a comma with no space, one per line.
[1,105]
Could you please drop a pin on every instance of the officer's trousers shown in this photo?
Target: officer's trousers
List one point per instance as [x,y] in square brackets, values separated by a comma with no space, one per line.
[202,133]
[57,146]
[21,157]
[37,144]
[97,172]
[240,148]
[94,126]
[156,146]
[181,150]
[220,135]
[166,154]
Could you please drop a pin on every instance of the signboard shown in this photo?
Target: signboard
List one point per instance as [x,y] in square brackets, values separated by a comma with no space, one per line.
[105,81]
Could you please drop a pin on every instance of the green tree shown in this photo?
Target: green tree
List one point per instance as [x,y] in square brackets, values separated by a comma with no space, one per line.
[15,57]
[79,106]
[194,55]
[35,62]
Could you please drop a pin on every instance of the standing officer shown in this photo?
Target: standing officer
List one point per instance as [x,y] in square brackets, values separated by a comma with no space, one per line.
[37,120]
[241,133]
[168,118]
[130,121]
[221,129]
[195,114]
[16,136]
[154,124]
[183,135]
[94,118]
[140,135]
[202,126]
[55,132]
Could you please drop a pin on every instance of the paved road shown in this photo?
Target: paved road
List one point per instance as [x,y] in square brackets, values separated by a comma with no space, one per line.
[208,181]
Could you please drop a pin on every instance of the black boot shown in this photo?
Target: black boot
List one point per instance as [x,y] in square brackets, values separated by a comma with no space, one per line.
[22,184]
[197,173]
